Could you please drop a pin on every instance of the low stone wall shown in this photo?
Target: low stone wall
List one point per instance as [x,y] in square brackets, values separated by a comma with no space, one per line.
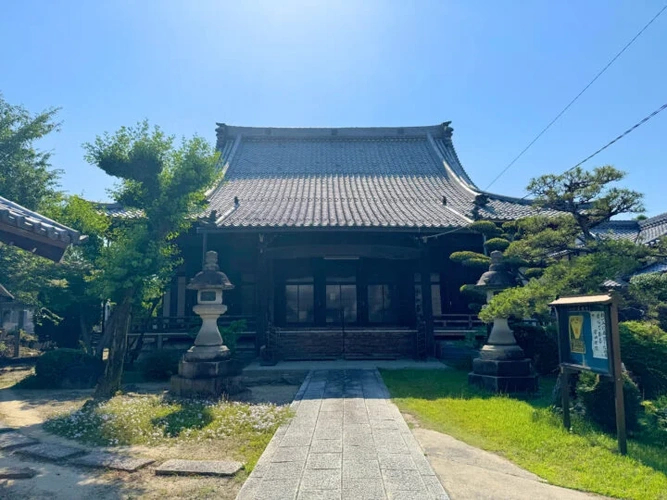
[351,344]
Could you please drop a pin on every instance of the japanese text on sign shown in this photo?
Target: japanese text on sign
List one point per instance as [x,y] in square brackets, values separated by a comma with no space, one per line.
[599,334]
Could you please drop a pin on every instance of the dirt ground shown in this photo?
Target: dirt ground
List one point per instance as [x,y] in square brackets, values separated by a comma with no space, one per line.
[28,409]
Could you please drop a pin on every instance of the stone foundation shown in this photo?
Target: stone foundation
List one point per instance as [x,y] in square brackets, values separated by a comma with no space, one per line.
[504,384]
[201,378]
[354,343]
[503,376]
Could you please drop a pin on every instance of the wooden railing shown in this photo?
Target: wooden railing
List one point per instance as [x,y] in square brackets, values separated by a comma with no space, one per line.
[456,321]
[183,328]
[185,324]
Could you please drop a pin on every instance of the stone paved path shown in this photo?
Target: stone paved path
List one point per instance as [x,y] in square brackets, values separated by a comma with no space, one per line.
[347,441]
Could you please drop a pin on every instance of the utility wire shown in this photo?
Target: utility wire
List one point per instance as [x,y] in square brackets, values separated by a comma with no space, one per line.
[631,129]
[618,138]
[502,172]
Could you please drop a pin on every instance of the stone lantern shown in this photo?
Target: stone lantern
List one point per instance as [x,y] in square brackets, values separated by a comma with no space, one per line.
[502,365]
[204,366]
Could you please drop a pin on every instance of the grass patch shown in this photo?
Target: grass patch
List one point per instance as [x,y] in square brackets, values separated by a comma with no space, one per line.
[243,429]
[526,431]
[13,375]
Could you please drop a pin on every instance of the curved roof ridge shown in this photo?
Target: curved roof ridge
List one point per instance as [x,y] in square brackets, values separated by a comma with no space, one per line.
[507,198]
[224,129]
[17,215]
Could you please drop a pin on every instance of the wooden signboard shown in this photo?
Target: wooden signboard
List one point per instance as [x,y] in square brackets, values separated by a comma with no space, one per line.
[588,340]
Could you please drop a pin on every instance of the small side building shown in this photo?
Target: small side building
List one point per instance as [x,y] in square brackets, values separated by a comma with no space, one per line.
[34,233]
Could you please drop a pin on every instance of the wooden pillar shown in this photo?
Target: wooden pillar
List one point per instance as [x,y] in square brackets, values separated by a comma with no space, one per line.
[204,248]
[180,298]
[427,300]
[261,299]
[166,303]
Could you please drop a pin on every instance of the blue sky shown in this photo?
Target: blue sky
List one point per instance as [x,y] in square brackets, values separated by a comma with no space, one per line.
[498,70]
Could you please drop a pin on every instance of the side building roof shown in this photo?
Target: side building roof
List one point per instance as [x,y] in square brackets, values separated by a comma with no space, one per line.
[645,231]
[404,178]
[34,232]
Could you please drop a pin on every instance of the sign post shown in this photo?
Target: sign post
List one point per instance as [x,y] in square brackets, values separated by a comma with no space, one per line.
[588,339]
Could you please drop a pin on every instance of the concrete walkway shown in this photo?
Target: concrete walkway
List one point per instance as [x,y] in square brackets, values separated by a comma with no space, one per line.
[469,473]
[347,441]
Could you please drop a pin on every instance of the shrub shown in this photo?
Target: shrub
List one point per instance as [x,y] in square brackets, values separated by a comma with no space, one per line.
[486,227]
[598,398]
[5,350]
[231,333]
[644,353]
[500,244]
[540,345]
[661,311]
[67,368]
[160,365]
[657,412]
[471,259]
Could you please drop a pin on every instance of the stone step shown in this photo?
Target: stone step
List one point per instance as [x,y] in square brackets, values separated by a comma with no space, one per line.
[105,460]
[50,451]
[13,439]
[198,467]
[17,473]
[5,428]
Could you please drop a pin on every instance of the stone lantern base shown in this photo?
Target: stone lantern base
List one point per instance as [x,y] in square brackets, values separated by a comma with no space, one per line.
[201,378]
[502,365]
[503,376]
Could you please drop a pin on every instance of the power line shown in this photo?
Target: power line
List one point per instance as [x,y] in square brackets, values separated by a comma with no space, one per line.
[631,129]
[618,138]
[502,172]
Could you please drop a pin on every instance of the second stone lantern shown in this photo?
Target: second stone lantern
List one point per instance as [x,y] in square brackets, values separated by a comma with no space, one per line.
[502,365]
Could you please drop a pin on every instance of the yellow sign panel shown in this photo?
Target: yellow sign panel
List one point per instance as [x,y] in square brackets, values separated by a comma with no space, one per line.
[577,344]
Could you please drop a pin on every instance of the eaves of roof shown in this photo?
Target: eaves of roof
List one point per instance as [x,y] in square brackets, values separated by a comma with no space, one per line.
[405,178]
[34,232]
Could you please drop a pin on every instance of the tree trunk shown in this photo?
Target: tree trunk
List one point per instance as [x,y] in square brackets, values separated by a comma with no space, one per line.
[110,383]
[136,351]
[85,334]
[105,338]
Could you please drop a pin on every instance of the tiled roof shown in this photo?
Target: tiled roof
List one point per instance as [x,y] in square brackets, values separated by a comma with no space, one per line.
[119,211]
[15,215]
[618,230]
[374,177]
[645,231]
[656,267]
[653,228]
[5,293]
[34,232]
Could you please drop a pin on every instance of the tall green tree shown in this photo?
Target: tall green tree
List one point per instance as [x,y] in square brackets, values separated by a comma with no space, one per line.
[560,242]
[166,183]
[589,197]
[60,293]
[26,174]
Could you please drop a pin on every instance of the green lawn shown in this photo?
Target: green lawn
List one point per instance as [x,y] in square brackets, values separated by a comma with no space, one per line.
[524,430]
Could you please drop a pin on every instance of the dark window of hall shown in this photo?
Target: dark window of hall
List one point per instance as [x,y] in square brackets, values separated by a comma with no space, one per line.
[299,300]
[341,292]
[382,303]
[341,303]
[436,299]
[247,295]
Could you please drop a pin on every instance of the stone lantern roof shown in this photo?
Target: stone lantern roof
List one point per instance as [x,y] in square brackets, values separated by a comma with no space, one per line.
[497,277]
[211,276]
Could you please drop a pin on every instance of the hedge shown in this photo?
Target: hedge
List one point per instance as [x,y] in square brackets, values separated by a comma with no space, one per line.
[644,353]
[67,368]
